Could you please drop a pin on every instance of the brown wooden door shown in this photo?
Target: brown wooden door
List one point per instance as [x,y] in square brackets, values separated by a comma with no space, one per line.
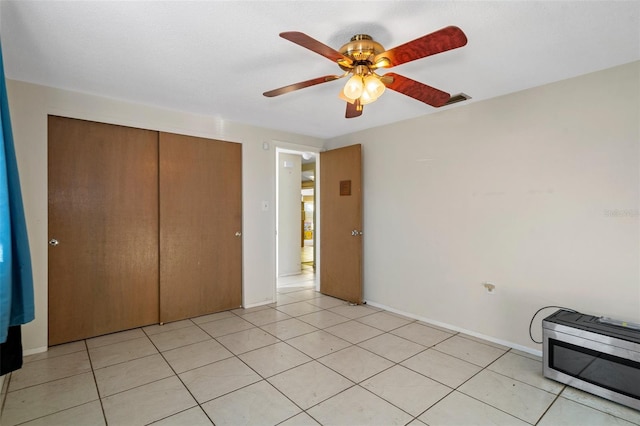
[341,223]
[200,215]
[103,213]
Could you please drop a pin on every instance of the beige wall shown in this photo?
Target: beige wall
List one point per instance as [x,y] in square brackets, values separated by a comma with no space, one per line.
[536,192]
[30,105]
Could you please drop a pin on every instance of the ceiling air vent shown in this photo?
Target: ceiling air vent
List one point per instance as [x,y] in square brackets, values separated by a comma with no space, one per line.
[457,98]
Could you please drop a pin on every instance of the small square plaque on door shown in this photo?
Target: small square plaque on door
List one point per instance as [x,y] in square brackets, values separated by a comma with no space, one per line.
[345,187]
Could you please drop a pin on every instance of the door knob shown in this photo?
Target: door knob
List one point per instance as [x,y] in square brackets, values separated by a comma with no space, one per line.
[355,233]
[238,233]
[53,242]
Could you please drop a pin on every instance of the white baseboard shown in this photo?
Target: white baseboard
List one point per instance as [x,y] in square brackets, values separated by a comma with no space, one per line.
[254,305]
[35,351]
[458,329]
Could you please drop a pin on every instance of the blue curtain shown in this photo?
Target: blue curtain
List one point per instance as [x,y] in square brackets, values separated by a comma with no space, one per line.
[16,279]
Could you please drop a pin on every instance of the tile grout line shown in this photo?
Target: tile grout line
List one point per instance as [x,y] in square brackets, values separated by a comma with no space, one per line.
[95,382]
[550,405]
[182,382]
[316,359]
[66,377]
[359,384]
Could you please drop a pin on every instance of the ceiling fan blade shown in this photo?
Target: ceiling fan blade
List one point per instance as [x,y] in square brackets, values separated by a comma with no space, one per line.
[353,109]
[439,41]
[301,85]
[416,90]
[314,45]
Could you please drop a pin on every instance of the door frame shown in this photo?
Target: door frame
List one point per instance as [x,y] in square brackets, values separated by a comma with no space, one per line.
[287,148]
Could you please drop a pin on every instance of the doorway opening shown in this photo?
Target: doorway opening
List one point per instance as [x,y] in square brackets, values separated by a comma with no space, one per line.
[296,219]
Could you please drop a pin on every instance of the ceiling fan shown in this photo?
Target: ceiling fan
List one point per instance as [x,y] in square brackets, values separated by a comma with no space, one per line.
[362,56]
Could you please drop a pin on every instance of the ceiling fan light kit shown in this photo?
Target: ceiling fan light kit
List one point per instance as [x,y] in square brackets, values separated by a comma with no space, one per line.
[364,86]
[362,55]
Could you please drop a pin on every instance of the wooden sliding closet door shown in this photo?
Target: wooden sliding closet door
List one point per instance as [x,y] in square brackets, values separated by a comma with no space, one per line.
[103,228]
[200,226]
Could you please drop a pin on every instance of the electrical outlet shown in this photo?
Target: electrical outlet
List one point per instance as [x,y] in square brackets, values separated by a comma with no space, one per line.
[489,287]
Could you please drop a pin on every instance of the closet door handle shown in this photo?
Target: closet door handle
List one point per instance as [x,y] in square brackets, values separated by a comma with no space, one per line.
[238,234]
[53,242]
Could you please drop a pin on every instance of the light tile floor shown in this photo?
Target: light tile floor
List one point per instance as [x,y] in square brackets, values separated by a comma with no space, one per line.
[307,359]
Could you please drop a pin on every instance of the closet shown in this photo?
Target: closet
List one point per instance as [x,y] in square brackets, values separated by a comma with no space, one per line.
[144,227]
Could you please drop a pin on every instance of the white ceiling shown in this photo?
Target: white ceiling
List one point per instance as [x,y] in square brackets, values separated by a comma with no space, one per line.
[218,57]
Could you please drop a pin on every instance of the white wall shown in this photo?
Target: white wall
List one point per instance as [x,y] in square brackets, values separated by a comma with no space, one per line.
[30,104]
[289,213]
[537,192]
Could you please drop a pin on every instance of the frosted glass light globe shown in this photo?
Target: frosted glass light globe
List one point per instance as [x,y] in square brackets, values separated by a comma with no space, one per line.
[354,87]
[373,86]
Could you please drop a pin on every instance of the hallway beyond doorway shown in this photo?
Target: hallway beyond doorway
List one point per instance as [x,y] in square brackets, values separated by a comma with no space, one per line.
[305,279]
[307,276]
[306,256]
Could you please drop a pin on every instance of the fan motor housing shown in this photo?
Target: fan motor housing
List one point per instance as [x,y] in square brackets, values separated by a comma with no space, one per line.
[362,49]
